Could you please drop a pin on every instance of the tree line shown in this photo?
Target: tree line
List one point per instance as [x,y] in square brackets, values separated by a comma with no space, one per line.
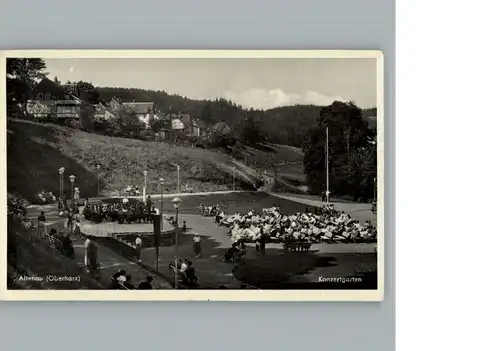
[352,153]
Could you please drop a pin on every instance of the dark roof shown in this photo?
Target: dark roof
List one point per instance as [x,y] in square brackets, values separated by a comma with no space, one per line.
[140,107]
[221,127]
[185,118]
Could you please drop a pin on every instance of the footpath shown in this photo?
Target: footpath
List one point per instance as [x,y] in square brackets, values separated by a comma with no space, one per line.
[109,260]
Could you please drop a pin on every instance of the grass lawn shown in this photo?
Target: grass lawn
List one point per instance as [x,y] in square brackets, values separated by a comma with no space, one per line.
[233,202]
[296,270]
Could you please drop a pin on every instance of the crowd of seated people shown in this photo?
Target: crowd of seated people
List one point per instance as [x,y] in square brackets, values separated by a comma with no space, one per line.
[123,212]
[209,210]
[46,197]
[326,224]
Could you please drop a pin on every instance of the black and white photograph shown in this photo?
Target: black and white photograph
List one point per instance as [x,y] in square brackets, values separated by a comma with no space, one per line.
[188,173]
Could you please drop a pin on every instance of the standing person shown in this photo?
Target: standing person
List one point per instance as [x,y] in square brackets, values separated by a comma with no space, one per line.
[138,247]
[42,227]
[65,201]
[197,245]
[149,205]
[85,258]
[147,284]
[93,259]
[78,229]
[184,227]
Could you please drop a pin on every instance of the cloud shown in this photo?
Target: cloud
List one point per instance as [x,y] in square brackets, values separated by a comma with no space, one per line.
[266,99]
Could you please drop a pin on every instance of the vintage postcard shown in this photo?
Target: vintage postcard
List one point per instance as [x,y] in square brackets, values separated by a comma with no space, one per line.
[195,175]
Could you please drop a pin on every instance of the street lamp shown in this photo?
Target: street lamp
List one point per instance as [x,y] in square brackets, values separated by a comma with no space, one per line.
[176,201]
[327,156]
[98,168]
[145,185]
[72,181]
[162,182]
[234,178]
[61,182]
[178,179]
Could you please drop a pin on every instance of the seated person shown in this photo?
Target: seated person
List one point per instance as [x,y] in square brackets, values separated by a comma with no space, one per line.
[117,278]
[231,252]
[184,265]
[42,198]
[128,283]
[147,284]
[190,273]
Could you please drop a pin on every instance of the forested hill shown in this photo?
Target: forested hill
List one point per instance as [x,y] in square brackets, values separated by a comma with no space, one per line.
[282,125]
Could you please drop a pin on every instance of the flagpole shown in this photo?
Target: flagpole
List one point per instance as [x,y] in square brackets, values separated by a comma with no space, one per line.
[327,169]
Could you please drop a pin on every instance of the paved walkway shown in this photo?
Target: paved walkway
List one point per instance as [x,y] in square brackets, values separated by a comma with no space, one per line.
[109,260]
[210,268]
[172,195]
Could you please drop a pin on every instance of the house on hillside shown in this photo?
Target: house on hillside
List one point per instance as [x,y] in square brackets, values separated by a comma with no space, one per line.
[198,128]
[190,126]
[145,111]
[220,128]
[103,112]
[115,103]
[52,100]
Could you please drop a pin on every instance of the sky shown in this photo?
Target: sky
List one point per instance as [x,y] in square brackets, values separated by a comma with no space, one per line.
[253,83]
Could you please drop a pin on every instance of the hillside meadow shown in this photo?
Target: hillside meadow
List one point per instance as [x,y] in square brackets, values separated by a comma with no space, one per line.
[36,151]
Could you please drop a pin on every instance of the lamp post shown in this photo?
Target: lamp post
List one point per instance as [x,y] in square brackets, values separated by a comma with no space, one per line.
[234,178]
[327,168]
[178,179]
[61,182]
[176,201]
[72,181]
[98,168]
[162,182]
[145,185]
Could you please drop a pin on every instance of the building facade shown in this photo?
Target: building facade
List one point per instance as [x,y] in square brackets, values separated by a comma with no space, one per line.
[51,100]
